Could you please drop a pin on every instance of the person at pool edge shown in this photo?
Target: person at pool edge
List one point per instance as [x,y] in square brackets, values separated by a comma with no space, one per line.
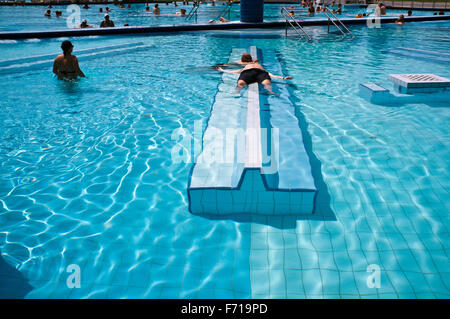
[182,12]
[400,20]
[254,72]
[84,24]
[66,65]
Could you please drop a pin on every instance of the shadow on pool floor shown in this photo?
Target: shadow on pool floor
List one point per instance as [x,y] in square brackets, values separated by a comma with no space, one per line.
[12,283]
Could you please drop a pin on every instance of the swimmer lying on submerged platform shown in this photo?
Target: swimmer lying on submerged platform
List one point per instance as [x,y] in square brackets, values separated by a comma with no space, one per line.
[66,65]
[254,72]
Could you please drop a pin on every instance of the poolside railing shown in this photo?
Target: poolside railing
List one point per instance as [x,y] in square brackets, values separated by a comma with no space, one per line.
[193,12]
[293,22]
[327,12]
[403,4]
[226,11]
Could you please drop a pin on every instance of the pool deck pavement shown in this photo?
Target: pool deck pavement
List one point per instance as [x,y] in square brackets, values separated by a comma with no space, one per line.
[13,35]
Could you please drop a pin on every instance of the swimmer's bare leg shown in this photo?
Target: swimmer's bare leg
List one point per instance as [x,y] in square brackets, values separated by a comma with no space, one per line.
[268,86]
[240,85]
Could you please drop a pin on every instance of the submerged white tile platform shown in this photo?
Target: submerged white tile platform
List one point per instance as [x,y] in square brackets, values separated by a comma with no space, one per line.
[263,168]
[409,88]
[373,92]
[419,83]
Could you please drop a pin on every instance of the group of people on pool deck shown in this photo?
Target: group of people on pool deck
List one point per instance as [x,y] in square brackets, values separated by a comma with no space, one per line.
[66,67]
[319,7]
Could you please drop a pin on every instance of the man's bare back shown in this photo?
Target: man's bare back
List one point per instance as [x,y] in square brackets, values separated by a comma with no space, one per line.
[252,65]
[66,65]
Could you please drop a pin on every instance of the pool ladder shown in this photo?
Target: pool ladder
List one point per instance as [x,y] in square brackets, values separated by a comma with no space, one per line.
[330,15]
[193,12]
[294,23]
[290,16]
[226,11]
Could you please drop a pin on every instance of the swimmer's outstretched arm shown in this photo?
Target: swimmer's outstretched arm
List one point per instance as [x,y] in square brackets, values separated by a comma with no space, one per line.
[227,71]
[280,77]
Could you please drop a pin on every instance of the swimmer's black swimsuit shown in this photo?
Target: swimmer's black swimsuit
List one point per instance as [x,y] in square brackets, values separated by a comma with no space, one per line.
[250,76]
[67,72]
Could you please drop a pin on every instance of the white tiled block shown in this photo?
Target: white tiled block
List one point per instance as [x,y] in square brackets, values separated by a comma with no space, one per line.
[265,208]
[308,198]
[282,209]
[224,196]
[258,184]
[281,197]
[306,209]
[224,208]
[209,207]
[196,206]
[238,197]
[196,195]
[295,198]
[209,196]
[266,197]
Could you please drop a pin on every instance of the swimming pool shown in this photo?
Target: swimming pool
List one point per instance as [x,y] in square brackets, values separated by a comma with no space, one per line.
[86,175]
[32,17]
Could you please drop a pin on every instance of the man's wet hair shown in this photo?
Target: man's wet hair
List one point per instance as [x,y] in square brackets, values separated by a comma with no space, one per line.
[66,45]
[246,57]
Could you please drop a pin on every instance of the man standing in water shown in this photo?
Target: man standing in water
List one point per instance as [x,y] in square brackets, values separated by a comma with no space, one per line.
[156,9]
[254,72]
[66,65]
[107,23]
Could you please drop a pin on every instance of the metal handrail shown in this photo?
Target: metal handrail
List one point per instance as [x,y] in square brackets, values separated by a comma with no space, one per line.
[329,19]
[340,22]
[193,11]
[294,10]
[287,18]
[227,10]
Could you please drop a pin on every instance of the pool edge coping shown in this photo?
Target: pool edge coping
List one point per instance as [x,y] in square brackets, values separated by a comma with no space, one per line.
[16,35]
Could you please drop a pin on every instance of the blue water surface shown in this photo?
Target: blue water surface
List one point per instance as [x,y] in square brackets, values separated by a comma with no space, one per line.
[87,177]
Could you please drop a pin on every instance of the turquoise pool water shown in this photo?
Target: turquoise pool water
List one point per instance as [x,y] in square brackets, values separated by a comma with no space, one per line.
[32,17]
[86,175]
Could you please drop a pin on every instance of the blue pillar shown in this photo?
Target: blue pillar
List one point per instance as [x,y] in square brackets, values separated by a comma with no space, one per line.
[252,10]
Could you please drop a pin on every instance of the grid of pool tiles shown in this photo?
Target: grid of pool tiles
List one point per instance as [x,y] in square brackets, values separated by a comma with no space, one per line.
[393,214]
[158,269]
[252,197]
[278,257]
[317,259]
[386,209]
